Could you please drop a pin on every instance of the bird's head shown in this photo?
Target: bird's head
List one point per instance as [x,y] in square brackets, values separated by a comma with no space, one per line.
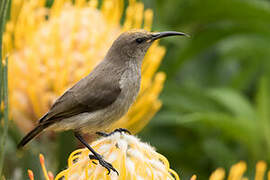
[135,43]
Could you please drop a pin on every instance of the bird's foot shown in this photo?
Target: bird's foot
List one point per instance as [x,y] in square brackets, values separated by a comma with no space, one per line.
[120,130]
[104,163]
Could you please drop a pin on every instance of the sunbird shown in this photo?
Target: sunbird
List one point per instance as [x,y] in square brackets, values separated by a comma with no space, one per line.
[104,95]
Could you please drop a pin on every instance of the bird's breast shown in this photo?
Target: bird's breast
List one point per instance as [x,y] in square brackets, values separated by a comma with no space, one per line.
[130,85]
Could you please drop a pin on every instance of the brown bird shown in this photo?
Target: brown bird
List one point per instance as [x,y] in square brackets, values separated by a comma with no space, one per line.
[103,96]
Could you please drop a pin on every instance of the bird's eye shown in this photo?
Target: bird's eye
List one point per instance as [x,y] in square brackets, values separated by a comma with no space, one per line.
[139,40]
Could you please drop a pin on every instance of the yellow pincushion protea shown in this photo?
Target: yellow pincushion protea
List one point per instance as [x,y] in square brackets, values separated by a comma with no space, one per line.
[133,159]
[237,172]
[52,48]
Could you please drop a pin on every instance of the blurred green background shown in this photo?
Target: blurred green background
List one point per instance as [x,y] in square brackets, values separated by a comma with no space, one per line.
[216,97]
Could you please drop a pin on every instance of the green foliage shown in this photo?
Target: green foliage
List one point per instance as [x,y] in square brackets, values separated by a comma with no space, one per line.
[216,98]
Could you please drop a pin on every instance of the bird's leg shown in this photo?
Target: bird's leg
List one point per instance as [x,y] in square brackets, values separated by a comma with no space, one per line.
[120,130]
[95,155]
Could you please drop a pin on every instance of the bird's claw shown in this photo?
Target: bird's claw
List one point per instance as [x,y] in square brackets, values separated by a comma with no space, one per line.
[93,157]
[104,163]
[103,134]
[120,130]
[108,166]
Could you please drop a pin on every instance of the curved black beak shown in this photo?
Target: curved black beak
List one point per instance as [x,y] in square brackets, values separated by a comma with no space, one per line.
[159,35]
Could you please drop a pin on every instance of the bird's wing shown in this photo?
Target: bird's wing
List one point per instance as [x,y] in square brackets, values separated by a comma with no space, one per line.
[88,95]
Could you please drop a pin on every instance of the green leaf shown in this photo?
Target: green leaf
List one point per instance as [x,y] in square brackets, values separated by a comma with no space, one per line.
[235,102]
[209,11]
[238,129]
[263,104]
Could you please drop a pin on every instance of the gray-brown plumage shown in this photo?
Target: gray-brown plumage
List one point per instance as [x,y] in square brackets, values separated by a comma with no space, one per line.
[103,96]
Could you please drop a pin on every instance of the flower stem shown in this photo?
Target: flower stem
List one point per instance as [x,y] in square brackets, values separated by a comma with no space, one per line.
[3,84]
[5,124]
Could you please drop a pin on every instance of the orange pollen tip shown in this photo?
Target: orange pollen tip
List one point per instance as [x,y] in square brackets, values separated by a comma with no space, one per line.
[50,174]
[194,177]
[41,159]
[30,174]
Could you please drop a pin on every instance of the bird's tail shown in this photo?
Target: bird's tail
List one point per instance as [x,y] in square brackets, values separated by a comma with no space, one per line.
[35,132]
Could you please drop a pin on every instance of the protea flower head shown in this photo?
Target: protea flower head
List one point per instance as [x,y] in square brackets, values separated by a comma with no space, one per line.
[132,158]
